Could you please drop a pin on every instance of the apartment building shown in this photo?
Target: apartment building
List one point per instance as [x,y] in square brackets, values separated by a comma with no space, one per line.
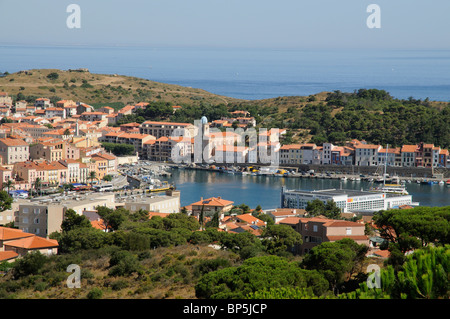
[390,157]
[159,129]
[44,216]
[14,150]
[42,103]
[160,204]
[408,155]
[367,154]
[50,149]
[290,154]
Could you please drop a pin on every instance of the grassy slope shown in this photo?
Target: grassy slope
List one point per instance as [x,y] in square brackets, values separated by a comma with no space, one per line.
[37,84]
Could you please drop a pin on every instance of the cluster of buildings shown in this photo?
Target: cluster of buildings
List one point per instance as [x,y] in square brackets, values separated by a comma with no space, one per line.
[57,144]
[360,153]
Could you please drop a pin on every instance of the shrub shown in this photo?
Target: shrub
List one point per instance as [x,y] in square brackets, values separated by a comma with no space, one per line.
[119,284]
[30,264]
[95,293]
[53,76]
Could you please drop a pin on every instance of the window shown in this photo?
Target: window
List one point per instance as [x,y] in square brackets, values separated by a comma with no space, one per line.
[315,228]
[25,210]
[37,211]
[348,231]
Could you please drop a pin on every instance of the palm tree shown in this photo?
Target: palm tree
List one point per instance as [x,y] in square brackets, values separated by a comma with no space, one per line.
[37,185]
[8,184]
[92,176]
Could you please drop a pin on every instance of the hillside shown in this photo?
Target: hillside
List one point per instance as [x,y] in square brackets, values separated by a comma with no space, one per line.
[101,88]
[366,114]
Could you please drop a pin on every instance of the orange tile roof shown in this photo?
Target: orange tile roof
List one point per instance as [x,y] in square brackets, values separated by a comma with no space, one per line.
[409,148]
[136,136]
[13,142]
[12,233]
[291,146]
[166,123]
[290,220]
[6,255]
[33,242]
[99,224]
[367,146]
[213,201]
[250,219]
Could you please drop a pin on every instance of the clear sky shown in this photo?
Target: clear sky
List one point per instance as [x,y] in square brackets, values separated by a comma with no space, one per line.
[405,24]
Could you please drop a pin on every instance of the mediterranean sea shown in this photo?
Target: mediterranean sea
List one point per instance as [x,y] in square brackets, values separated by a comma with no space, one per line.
[253,73]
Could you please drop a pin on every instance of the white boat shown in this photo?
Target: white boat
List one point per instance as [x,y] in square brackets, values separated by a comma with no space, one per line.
[392,188]
[343,178]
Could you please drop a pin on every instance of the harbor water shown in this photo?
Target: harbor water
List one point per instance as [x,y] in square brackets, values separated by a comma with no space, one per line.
[265,190]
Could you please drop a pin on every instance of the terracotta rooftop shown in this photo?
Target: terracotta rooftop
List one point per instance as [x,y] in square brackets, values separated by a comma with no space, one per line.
[12,233]
[32,242]
[213,201]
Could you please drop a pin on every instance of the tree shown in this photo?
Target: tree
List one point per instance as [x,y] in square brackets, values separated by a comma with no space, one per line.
[31,264]
[72,221]
[259,274]
[335,260]
[423,275]
[315,207]
[5,201]
[279,238]
[8,184]
[107,178]
[92,176]
[112,218]
[37,185]
[328,209]
[201,217]
[411,228]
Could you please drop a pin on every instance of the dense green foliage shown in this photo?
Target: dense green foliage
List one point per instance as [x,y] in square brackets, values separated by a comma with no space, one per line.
[317,207]
[424,275]
[414,228]
[257,274]
[244,266]
[119,149]
[375,116]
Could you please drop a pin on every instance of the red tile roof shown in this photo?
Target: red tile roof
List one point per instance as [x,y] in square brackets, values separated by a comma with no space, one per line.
[33,242]
[213,201]
[7,255]
[12,233]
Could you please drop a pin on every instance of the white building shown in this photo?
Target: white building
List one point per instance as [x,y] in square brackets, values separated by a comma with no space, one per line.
[366,154]
[347,200]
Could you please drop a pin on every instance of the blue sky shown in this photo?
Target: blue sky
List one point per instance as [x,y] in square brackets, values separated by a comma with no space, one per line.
[405,24]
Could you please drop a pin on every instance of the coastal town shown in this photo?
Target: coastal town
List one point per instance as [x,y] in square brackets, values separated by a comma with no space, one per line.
[54,159]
